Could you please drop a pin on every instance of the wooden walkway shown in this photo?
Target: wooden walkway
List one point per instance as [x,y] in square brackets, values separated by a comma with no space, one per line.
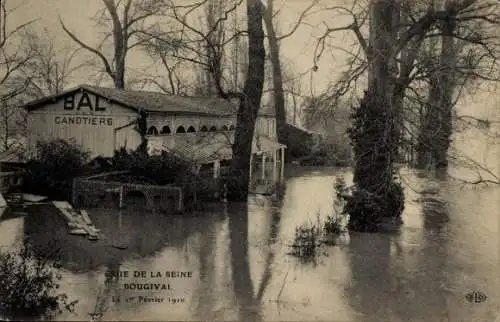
[78,222]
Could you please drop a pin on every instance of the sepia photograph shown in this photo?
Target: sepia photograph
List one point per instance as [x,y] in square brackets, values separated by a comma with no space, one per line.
[250,160]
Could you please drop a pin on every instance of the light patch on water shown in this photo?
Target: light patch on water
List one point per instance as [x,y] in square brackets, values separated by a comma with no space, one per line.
[11,232]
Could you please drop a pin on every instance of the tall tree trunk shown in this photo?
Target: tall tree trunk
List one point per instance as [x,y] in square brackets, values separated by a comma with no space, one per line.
[279,95]
[446,86]
[436,123]
[375,134]
[249,105]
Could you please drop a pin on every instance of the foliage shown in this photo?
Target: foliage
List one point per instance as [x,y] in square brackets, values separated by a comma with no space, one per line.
[28,287]
[54,166]
[328,153]
[310,236]
[307,241]
[162,169]
[375,194]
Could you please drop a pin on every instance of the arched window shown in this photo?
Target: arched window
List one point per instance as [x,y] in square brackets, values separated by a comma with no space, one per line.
[204,129]
[152,131]
[231,128]
[165,130]
[213,129]
[191,129]
[181,129]
[224,128]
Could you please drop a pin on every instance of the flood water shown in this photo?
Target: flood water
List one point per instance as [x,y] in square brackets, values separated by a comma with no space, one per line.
[235,265]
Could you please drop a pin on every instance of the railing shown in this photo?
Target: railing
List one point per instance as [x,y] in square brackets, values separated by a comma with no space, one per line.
[89,191]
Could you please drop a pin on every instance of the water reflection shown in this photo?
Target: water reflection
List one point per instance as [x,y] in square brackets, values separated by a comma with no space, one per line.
[248,306]
[237,254]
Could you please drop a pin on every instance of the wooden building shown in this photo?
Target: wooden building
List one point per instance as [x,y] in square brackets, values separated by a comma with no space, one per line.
[103,120]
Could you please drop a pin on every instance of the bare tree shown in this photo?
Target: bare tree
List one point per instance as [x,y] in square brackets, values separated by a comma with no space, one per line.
[123,20]
[50,68]
[277,77]
[14,55]
[475,22]
[376,131]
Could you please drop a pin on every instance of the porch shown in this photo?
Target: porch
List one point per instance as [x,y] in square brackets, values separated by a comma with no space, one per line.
[211,153]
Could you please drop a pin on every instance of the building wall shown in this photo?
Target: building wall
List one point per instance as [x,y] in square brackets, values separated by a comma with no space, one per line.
[266,125]
[103,127]
[89,120]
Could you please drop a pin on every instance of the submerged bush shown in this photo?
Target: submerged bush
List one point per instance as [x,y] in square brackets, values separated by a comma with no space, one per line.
[307,241]
[309,237]
[28,287]
[162,169]
[54,166]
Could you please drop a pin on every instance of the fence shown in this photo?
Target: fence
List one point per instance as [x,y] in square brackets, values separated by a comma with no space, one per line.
[96,191]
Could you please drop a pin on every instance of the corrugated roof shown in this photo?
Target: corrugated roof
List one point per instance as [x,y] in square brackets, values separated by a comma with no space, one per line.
[155,101]
[202,149]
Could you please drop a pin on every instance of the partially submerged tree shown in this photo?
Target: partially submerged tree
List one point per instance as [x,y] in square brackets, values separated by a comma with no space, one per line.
[203,46]
[249,104]
[390,58]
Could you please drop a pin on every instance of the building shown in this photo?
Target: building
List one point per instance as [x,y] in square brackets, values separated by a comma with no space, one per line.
[103,120]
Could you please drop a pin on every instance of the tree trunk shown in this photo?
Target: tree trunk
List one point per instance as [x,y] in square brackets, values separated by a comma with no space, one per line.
[436,123]
[279,95]
[249,105]
[375,134]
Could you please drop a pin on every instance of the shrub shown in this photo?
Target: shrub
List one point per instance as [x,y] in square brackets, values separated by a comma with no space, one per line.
[309,237]
[165,168]
[333,226]
[54,166]
[307,241]
[28,287]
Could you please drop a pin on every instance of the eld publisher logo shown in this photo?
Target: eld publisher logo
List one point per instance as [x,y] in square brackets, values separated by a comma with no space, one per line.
[476,297]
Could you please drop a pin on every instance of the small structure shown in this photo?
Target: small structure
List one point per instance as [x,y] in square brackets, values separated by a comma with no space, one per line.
[103,120]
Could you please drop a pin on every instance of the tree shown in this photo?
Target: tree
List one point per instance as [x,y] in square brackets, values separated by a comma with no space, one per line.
[49,68]
[204,47]
[413,64]
[277,74]
[463,49]
[14,55]
[396,33]
[123,21]
[249,104]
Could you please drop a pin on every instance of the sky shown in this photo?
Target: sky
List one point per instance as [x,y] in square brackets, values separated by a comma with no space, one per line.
[297,51]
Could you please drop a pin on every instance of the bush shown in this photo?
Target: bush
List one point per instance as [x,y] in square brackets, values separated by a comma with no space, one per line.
[162,169]
[328,152]
[55,165]
[307,241]
[28,287]
[309,237]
